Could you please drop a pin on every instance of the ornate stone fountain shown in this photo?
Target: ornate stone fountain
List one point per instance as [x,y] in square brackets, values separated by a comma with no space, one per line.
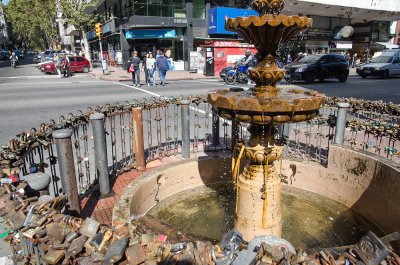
[258,188]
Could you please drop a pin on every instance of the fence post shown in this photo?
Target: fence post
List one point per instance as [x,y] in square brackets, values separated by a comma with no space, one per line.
[100,152]
[137,120]
[341,122]
[185,128]
[285,134]
[215,128]
[235,132]
[66,164]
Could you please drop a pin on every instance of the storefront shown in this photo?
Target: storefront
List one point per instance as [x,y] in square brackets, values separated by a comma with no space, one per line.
[219,54]
[151,40]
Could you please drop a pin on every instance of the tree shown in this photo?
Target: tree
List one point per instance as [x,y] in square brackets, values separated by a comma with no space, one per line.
[75,12]
[32,23]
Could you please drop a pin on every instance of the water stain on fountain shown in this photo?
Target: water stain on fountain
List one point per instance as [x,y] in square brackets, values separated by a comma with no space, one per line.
[258,188]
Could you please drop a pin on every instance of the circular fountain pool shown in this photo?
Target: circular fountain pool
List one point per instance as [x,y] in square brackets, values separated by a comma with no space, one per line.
[322,206]
[309,220]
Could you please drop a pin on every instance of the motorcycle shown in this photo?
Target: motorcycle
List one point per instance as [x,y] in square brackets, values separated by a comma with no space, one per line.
[237,74]
[14,63]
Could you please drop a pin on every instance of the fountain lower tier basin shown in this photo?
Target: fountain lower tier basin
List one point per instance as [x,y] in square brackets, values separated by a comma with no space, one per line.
[309,220]
[363,183]
[277,105]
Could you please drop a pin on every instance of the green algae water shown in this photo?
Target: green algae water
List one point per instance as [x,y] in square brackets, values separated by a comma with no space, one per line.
[309,220]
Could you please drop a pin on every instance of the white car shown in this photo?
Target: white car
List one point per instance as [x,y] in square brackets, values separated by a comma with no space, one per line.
[385,65]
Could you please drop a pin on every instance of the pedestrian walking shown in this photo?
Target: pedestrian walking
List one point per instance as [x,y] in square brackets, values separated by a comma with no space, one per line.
[135,63]
[354,63]
[163,67]
[151,70]
[57,64]
[145,55]
[65,66]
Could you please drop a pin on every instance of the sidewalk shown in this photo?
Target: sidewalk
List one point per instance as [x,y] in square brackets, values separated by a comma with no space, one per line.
[115,74]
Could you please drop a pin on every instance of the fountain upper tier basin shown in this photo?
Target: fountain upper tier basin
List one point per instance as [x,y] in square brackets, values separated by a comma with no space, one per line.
[274,106]
[266,32]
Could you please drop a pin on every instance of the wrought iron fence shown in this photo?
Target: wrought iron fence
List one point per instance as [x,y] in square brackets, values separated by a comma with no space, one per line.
[370,126]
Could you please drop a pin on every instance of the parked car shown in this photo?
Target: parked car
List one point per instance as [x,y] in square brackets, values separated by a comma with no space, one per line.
[4,55]
[384,65]
[76,64]
[318,66]
[38,58]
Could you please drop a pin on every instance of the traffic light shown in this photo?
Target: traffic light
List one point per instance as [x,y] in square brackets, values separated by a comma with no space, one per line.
[99,30]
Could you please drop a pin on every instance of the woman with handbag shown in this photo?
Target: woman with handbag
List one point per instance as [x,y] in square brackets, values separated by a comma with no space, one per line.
[135,69]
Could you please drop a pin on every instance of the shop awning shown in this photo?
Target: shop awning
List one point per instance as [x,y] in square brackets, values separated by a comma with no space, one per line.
[388,45]
[151,34]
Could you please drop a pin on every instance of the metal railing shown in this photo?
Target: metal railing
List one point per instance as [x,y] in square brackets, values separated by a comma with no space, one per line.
[163,127]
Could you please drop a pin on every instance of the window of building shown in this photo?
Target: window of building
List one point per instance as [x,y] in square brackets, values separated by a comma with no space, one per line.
[199,9]
[321,22]
[158,8]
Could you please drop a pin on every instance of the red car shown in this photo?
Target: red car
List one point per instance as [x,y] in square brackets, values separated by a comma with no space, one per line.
[76,64]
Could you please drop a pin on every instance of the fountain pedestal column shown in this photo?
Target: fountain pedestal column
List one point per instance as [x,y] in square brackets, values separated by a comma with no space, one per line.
[258,194]
[258,202]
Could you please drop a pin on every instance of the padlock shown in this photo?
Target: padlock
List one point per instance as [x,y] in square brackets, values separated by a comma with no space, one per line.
[76,246]
[135,254]
[115,252]
[89,227]
[53,256]
[107,236]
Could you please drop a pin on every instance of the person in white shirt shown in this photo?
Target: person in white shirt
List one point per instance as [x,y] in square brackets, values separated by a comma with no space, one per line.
[151,70]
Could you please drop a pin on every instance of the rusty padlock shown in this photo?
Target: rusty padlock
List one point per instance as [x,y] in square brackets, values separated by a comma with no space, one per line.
[53,256]
[135,254]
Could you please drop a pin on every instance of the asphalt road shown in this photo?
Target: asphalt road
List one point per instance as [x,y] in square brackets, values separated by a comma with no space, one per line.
[29,97]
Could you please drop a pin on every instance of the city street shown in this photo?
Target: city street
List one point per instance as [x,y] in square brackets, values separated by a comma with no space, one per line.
[29,97]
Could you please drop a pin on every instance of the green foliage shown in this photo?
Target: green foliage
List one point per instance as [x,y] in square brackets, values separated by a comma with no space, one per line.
[32,22]
[75,11]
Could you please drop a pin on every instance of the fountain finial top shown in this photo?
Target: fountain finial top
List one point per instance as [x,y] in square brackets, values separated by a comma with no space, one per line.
[263,7]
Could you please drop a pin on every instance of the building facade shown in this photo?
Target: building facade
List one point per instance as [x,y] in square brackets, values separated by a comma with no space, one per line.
[185,25]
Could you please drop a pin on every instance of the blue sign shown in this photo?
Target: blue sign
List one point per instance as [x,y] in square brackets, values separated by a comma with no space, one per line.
[109,27]
[218,15]
[106,28]
[91,35]
[151,34]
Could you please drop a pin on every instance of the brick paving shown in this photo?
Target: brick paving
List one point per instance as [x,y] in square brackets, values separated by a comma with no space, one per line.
[101,209]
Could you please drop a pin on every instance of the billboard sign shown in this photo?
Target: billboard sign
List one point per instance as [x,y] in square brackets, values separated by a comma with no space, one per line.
[151,34]
[218,15]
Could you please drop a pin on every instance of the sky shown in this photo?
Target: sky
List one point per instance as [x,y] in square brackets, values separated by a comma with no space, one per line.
[5,1]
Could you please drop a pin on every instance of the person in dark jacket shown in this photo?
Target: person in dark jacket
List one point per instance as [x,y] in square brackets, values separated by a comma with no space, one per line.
[135,62]
[163,67]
